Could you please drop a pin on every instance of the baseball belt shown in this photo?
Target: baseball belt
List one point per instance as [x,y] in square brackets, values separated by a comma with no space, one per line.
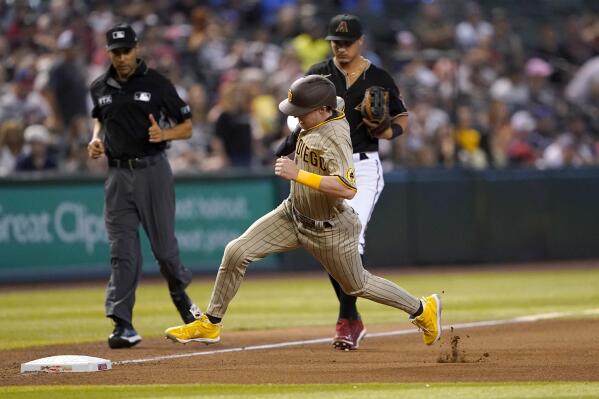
[135,163]
[310,223]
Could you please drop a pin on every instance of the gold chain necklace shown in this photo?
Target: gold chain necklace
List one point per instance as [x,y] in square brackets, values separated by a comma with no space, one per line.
[360,70]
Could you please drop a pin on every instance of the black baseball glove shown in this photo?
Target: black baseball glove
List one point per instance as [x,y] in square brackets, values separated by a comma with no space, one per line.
[375,110]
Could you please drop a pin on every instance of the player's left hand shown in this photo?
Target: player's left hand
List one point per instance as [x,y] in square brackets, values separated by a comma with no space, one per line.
[286,168]
[370,125]
[155,132]
[373,127]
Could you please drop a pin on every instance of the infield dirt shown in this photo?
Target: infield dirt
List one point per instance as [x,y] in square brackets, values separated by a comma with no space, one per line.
[555,350]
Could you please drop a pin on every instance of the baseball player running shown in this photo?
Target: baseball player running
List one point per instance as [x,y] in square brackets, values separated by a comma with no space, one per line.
[354,76]
[314,216]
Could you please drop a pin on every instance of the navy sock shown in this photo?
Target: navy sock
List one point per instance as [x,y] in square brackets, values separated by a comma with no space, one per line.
[419,311]
[214,320]
[347,303]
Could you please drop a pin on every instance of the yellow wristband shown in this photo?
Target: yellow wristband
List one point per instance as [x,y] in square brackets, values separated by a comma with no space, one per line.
[309,179]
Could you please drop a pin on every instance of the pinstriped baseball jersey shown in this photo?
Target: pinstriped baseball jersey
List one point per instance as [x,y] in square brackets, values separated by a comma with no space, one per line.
[324,226]
[324,150]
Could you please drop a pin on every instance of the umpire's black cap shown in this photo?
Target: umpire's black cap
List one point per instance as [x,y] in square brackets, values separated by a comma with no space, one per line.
[344,27]
[307,94]
[120,36]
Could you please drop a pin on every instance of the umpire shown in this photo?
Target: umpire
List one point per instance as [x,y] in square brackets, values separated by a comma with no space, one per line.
[136,112]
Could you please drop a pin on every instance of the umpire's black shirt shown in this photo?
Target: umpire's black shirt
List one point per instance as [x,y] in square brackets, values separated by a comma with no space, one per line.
[353,95]
[124,109]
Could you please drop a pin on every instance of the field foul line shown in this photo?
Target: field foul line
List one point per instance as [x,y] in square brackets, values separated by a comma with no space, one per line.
[475,324]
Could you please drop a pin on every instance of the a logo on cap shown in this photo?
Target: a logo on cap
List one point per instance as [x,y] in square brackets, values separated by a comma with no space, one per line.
[342,27]
[289,95]
[119,34]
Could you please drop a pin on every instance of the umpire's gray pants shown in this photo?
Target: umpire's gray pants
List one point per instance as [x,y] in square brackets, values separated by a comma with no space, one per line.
[132,196]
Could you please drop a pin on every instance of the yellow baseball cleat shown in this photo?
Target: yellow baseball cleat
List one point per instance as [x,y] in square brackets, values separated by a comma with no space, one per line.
[430,319]
[201,330]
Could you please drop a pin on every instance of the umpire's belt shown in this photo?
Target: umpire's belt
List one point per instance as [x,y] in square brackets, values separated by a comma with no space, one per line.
[310,223]
[135,163]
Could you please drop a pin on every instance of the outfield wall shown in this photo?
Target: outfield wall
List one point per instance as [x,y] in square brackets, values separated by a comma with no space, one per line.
[53,228]
[493,216]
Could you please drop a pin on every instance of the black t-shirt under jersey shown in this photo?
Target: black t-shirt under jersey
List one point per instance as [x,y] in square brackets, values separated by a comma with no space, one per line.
[123,108]
[372,76]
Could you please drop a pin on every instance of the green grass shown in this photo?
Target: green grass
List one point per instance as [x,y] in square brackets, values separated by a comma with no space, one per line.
[530,390]
[75,314]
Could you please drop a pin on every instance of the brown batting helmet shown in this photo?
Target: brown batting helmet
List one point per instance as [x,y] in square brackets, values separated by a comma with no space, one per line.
[307,94]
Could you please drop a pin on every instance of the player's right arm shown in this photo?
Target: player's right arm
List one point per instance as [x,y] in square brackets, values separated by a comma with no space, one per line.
[331,185]
[95,148]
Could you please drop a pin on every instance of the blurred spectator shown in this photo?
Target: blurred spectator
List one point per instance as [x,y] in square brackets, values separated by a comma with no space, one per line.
[573,48]
[541,93]
[559,154]
[199,24]
[511,88]
[38,156]
[271,8]
[440,52]
[520,151]
[572,148]
[475,76]
[190,155]
[264,111]
[286,25]
[500,133]
[406,50]
[262,54]
[426,130]
[505,43]
[11,145]
[67,91]
[310,46]
[473,30]
[433,28]
[566,151]
[470,140]
[232,140]
[76,158]
[21,101]
[550,48]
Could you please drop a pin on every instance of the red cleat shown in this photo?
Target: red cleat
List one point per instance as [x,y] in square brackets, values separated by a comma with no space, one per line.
[343,337]
[357,332]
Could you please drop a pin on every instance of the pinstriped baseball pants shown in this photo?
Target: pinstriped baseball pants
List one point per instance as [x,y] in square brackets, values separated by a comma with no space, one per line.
[335,247]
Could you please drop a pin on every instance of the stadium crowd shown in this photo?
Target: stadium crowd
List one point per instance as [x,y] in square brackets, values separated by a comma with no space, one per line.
[486,87]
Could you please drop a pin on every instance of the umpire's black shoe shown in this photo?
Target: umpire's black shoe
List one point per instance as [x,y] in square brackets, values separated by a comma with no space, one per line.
[123,337]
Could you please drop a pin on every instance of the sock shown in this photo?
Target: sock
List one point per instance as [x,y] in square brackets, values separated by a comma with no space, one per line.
[347,308]
[347,303]
[214,320]
[418,312]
